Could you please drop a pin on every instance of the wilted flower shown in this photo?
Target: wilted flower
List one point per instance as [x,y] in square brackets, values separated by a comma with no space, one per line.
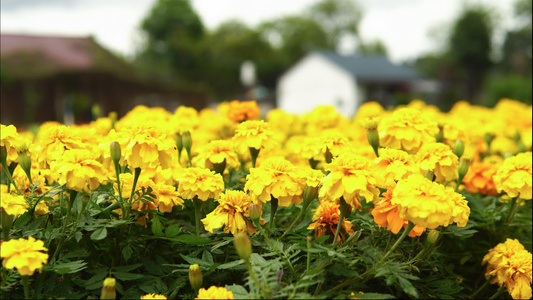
[232,211]
[24,254]
[440,159]
[199,182]
[407,129]
[239,111]
[79,170]
[514,177]
[326,218]
[215,292]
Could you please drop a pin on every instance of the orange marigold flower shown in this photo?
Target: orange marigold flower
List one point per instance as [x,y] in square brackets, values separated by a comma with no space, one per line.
[239,111]
[393,165]
[510,264]
[429,204]
[350,178]
[79,170]
[407,129]
[216,152]
[232,211]
[253,134]
[24,254]
[479,178]
[440,159]
[276,178]
[201,183]
[514,177]
[387,215]
[325,220]
[215,292]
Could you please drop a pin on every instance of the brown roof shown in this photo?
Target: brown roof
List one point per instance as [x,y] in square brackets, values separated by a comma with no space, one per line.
[36,56]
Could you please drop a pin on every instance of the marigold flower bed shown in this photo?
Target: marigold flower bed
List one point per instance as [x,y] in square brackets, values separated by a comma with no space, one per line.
[403,202]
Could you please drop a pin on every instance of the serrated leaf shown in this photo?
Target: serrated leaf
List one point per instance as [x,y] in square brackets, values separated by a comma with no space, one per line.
[374,296]
[239,292]
[172,231]
[157,228]
[193,260]
[127,276]
[127,268]
[127,252]
[77,236]
[99,234]
[70,267]
[190,240]
[407,287]
[231,264]
[208,257]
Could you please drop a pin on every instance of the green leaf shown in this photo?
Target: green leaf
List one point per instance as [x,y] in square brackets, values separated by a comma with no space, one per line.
[127,268]
[408,287]
[232,264]
[127,276]
[127,252]
[374,296]
[193,260]
[172,231]
[239,292]
[99,234]
[208,257]
[70,267]
[157,228]
[190,240]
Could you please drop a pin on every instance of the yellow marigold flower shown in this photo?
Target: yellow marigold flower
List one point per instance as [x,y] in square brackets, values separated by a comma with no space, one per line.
[42,208]
[334,141]
[350,178]
[253,134]
[370,109]
[9,138]
[232,211]
[153,296]
[201,183]
[13,205]
[393,165]
[166,197]
[439,158]
[325,220]
[276,178]
[146,146]
[312,177]
[311,148]
[515,115]
[429,204]
[239,111]
[284,123]
[510,264]
[322,117]
[185,118]
[502,144]
[387,215]
[407,129]
[24,254]
[54,142]
[216,152]
[514,176]
[21,179]
[79,170]
[479,178]
[214,292]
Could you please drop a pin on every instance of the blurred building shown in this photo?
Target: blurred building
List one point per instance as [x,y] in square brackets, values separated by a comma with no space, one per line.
[46,78]
[345,81]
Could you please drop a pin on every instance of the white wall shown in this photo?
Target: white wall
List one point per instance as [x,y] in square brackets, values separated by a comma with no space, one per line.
[317,81]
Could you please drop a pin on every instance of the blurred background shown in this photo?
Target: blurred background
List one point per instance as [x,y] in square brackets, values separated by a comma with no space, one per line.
[72,60]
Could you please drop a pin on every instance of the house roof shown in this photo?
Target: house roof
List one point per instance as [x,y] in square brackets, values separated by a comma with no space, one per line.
[375,68]
[30,56]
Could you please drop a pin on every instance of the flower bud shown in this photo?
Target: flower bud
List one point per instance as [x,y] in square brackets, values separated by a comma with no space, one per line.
[459,148]
[255,212]
[25,160]
[187,140]
[243,245]
[488,138]
[113,116]
[108,289]
[372,134]
[433,235]
[116,152]
[310,193]
[440,135]
[195,277]
[464,164]
[429,175]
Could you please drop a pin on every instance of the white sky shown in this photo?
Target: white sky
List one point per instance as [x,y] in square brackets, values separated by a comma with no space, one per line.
[403,25]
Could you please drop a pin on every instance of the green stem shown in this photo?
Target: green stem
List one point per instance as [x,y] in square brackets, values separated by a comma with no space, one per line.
[8,174]
[512,213]
[408,229]
[267,292]
[305,204]
[254,153]
[273,209]
[135,179]
[502,288]
[308,263]
[117,172]
[26,287]
[73,195]
[473,296]
[343,210]
[197,211]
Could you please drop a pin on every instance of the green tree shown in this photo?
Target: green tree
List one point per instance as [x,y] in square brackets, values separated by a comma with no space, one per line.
[470,47]
[372,47]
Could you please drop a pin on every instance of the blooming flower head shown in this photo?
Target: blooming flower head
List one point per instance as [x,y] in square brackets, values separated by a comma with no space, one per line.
[239,111]
[24,254]
[216,152]
[514,176]
[253,134]
[276,178]
[479,178]
[199,182]
[185,119]
[285,123]
[429,204]
[325,220]
[232,211]
[350,178]
[13,205]
[393,165]
[439,158]
[510,264]
[166,197]
[387,215]
[370,109]
[21,179]
[10,139]
[53,142]
[407,129]
[322,117]
[146,146]
[153,296]
[79,170]
[215,292]
[334,141]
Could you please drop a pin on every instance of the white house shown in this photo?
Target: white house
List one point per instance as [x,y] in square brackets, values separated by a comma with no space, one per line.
[327,78]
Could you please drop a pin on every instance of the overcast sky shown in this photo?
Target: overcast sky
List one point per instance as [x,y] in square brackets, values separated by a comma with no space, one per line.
[407,27]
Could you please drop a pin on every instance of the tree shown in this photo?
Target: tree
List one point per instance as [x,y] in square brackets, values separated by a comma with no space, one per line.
[517,49]
[470,47]
[373,47]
